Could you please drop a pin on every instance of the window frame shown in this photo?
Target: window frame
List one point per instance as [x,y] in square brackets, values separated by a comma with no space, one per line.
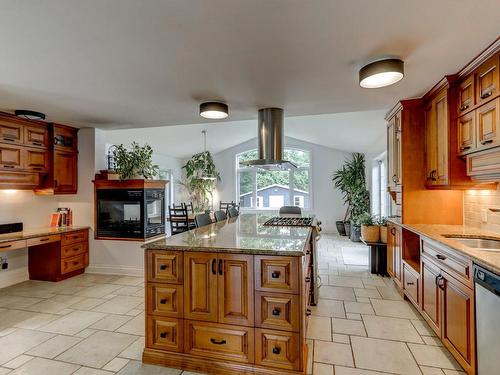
[253,174]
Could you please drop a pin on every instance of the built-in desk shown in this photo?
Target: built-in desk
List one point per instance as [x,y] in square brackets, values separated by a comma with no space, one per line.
[54,254]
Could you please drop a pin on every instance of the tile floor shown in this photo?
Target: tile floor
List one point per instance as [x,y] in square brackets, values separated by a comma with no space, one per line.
[94,325]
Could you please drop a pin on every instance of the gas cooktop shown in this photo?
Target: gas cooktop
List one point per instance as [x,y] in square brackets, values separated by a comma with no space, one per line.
[289,221]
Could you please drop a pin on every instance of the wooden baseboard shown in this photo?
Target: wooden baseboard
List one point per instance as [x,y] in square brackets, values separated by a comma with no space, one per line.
[211,366]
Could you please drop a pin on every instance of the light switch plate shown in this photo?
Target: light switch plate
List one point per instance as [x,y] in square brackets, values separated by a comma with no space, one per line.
[484,215]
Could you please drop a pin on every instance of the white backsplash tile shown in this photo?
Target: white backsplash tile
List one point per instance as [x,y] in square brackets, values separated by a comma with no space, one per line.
[475,201]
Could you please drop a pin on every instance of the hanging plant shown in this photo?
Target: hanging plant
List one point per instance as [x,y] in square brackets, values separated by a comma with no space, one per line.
[134,163]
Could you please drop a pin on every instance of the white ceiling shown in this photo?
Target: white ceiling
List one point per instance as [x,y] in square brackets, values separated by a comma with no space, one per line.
[129,63]
[331,130]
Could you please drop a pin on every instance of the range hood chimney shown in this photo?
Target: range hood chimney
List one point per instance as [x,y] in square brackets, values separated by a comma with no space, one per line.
[271,139]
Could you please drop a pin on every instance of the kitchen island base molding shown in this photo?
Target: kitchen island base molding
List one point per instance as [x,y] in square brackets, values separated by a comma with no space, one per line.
[188,362]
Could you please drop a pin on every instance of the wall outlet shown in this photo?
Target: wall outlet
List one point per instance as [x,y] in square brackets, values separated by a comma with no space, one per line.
[484,215]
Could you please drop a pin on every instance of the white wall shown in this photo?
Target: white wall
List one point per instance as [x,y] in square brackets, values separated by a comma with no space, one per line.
[327,201]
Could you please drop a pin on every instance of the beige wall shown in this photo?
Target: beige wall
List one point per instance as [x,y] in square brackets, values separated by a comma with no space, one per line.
[477,200]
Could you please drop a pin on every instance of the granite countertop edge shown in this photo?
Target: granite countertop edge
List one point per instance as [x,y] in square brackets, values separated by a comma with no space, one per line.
[38,232]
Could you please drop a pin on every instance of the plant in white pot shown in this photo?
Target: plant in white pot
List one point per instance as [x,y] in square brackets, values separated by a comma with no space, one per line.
[382,222]
[370,231]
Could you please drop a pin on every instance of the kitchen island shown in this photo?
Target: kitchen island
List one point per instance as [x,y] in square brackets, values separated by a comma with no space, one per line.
[230,297]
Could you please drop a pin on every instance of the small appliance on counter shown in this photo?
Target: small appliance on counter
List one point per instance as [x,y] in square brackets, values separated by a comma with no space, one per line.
[11,228]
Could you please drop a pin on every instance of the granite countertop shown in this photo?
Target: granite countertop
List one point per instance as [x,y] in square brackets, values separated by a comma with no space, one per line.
[436,232]
[244,234]
[38,232]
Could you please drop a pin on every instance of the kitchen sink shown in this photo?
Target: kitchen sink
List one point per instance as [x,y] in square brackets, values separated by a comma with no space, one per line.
[477,243]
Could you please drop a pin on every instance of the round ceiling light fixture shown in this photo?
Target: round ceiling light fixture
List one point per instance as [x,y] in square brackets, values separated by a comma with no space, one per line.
[381,73]
[29,115]
[214,110]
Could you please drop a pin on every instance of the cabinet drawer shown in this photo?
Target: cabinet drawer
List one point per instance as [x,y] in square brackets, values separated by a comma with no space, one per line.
[13,245]
[10,132]
[74,263]
[165,266]
[410,284]
[165,334]
[165,300]
[73,237]
[277,349]
[36,159]
[43,240]
[74,249]
[221,341]
[277,274]
[459,266]
[487,79]
[277,311]
[11,157]
[36,135]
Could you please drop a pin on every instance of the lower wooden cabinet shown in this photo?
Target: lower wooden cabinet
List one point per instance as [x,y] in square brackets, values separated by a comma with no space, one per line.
[165,334]
[277,311]
[277,349]
[411,284]
[394,253]
[431,301]
[165,300]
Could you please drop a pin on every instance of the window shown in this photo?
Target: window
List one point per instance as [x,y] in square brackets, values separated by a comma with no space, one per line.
[263,189]
[380,199]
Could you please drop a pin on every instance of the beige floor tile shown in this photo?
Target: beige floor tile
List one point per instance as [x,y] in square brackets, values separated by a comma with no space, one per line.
[310,356]
[353,282]
[36,321]
[329,307]
[98,291]
[353,316]
[395,309]
[129,280]
[137,368]
[134,351]
[4,371]
[348,327]
[340,370]
[18,361]
[358,308]
[389,293]
[135,326]
[423,328]
[119,305]
[111,322]
[340,338]
[383,355]
[98,349]
[134,312]
[431,340]
[391,329]
[91,371]
[84,333]
[373,282]
[19,342]
[322,369]
[333,353]
[319,328]
[39,366]
[73,323]
[433,356]
[431,370]
[366,293]
[337,293]
[453,372]
[116,364]
[87,303]
[54,346]
[11,318]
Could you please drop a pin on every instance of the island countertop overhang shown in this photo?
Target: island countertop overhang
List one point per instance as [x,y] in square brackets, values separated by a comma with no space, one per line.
[244,234]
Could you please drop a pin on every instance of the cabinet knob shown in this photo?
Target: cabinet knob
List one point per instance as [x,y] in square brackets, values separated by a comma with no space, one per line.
[464,107]
[276,311]
[276,350]
[163,267]
[410,283]
[217,342]
[440,257]
[308,279]
[308,312]
[486,141]
[275,274]
[163,335]
[486,94]
[163,301]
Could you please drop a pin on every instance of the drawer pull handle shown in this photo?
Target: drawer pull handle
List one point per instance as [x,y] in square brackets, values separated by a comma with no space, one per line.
[164,335]
[276,350]
[308,279]
[308,312]
[38,143]
[410,283]
[486,141]
[44,239]
[9,139]
[440,257]
[441,282]
[220,267]
[463,148]
[9,166]
[163,301]
[276,311]
[486,94]
[76,237]
[163,267]
[76,263]
[214,271]
[275,274]
[217,342]
[464,107]
[76,248]
[5,246]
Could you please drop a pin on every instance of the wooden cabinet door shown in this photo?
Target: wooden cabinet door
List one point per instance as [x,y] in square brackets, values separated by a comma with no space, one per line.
[36,159]
[458,320]
[65,172]
[430,145]
[10,132]
[466,94]
[391,180]
[36,135]
[488,121]
[200,286]
[397,254]
[397,148]
[390,249]
[11,157]
[65,138]
[466,127]
[235,289]
[431,299]
[487,79]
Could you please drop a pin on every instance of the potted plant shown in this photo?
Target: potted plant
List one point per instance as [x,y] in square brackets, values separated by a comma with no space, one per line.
[370,231]
[134,163]
[201,178]
[382,222]
[351,181]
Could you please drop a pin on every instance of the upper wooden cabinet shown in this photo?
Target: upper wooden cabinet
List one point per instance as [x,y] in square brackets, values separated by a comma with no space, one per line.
[488,122]
[65,169]
[65,138]
[394,151]
[487,79]
[466,95]
[10,131]
[36,135]
[466,127]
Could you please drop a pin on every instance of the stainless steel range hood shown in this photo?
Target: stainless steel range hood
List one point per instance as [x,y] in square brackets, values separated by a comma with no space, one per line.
[271,139]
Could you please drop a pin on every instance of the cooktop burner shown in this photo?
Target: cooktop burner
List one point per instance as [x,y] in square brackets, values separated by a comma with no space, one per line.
[289,221]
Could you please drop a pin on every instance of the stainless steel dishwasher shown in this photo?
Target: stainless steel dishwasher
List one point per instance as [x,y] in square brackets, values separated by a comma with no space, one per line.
[487,287]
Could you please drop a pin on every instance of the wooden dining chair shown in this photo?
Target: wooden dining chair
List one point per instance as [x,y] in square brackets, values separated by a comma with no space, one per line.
[220,215]
[233,211]
[189,207]
[202,220]
[179,221]
[224,206]
[292,210]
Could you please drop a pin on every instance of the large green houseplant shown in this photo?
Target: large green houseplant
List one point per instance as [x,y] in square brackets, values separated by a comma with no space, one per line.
[201,178]
[351,181]
[134,163]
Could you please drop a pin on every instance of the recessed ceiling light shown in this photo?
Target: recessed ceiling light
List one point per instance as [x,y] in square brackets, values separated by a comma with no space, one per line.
[29,115]
[214,110]
[381,73]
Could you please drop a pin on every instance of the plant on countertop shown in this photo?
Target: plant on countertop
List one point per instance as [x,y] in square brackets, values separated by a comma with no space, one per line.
[370,231]
[201,178]
[351,182]
[134,163]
